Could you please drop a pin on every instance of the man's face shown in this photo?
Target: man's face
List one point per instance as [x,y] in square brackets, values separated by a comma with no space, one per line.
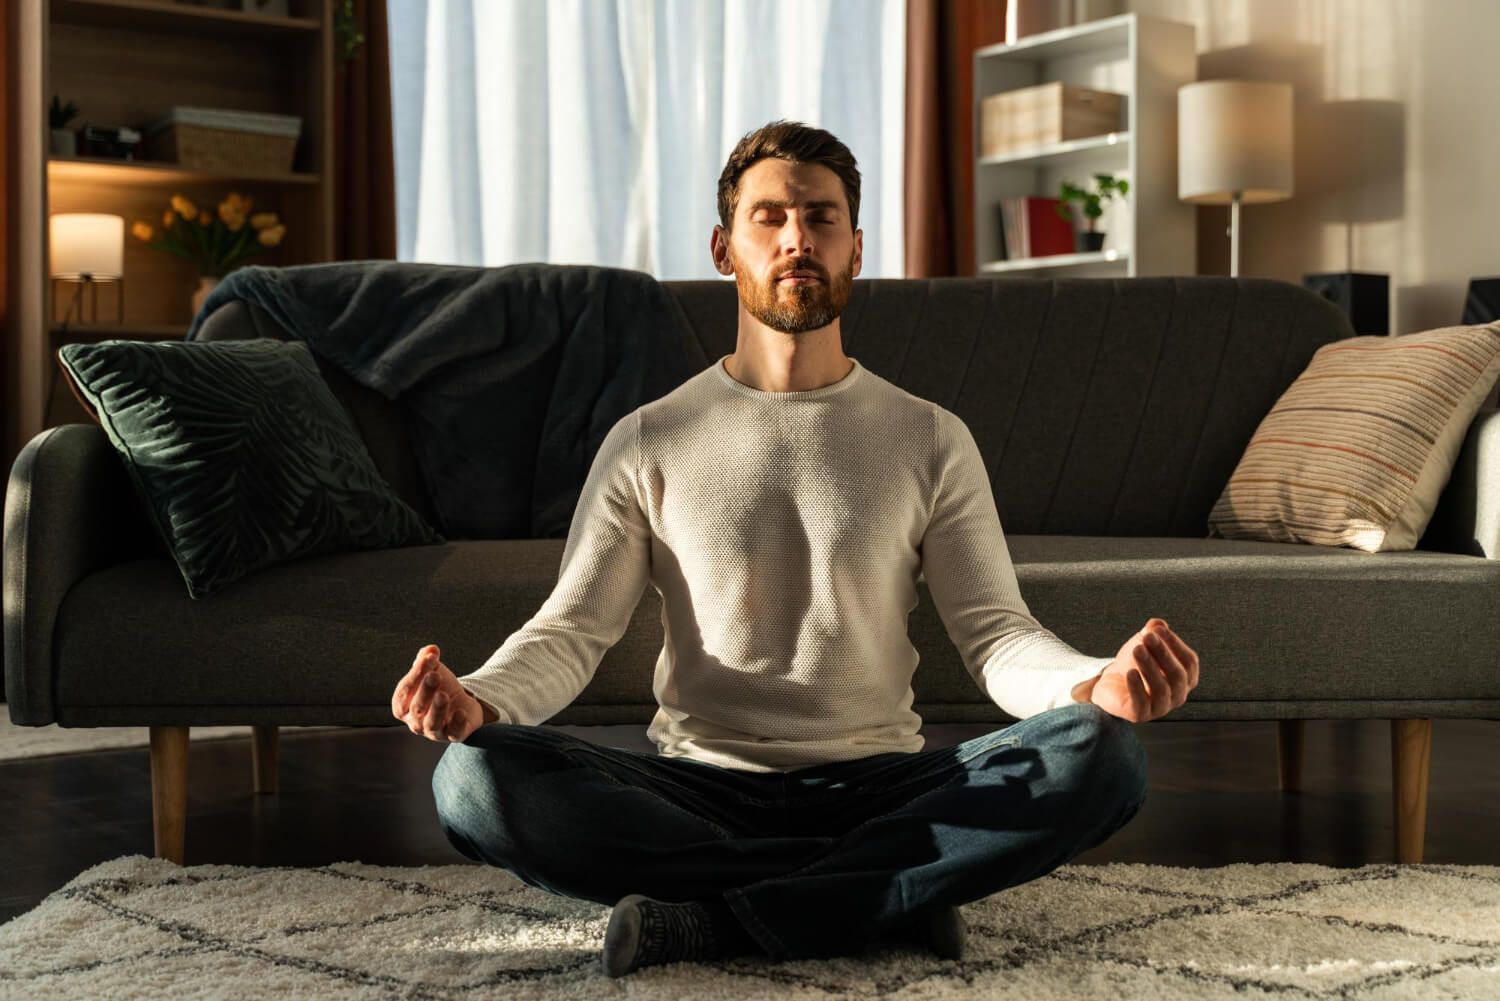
[791,217]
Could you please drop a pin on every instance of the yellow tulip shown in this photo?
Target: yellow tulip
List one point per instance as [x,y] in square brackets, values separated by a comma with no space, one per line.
[142,231]
[261,220]
[271,235]
[184,207]
[204,218]
[167,217]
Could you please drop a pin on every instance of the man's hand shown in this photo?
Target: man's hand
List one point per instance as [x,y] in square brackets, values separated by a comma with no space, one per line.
[431,702]
[1150,676]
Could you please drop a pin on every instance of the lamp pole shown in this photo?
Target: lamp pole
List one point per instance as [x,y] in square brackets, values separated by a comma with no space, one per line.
[1234,236]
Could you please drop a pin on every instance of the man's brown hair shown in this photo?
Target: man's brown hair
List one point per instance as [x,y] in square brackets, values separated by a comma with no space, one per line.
[792,141]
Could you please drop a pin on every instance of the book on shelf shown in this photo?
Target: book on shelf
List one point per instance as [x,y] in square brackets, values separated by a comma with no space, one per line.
[1030,227]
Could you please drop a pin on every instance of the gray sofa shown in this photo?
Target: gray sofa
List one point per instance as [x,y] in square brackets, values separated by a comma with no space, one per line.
[1110,413]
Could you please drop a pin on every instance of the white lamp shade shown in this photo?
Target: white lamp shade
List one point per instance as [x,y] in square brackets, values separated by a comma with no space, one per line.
[91,243]
[1234,136]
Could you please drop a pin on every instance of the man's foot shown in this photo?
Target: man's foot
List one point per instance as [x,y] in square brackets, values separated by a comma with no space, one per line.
[645,932]
[941,930]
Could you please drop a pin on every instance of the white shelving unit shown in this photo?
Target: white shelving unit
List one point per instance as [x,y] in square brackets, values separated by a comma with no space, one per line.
[1147,59]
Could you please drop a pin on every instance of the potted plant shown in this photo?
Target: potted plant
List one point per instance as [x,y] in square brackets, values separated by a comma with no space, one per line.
[64,141]
[216,243]
[1106,186]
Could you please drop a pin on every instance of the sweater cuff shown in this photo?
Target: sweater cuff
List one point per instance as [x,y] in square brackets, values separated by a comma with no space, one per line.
[476,690]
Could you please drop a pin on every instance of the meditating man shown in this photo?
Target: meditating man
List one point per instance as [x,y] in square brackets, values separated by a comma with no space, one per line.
[785,502]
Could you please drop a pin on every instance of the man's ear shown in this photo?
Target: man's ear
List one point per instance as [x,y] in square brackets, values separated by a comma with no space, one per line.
[718,249]
[859,253]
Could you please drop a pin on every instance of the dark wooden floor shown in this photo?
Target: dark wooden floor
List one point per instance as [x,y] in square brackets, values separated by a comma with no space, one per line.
[366,796]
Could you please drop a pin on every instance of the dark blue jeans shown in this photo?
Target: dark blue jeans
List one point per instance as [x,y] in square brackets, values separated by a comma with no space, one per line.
[819,861]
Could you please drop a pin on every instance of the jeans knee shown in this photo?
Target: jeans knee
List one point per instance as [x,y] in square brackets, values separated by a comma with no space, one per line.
[1119,755]
[462,787]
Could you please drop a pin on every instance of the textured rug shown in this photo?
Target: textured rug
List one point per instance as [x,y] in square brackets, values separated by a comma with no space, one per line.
[42,741]
[138,927]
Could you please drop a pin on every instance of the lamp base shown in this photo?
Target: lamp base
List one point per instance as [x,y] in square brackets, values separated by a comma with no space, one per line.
[89,284]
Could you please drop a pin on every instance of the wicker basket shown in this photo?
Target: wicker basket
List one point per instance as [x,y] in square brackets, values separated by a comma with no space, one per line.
[261,144]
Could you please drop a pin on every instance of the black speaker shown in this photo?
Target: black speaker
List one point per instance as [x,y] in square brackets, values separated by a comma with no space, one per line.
[1482,304]
[1363,296]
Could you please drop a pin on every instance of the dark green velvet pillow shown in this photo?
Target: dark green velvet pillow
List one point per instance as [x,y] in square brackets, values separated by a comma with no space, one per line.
[241,452]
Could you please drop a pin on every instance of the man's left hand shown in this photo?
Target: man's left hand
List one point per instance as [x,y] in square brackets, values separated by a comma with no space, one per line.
[1150,676]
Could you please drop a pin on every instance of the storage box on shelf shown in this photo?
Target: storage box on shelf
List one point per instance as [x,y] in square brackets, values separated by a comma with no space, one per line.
[1141,59]
[1033,118]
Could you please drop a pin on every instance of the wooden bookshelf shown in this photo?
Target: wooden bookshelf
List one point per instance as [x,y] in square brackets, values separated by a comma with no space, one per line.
[129,62]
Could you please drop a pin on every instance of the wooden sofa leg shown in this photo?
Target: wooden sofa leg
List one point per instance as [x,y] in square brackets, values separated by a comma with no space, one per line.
[264,760]
[169,766]
[1289,733]
[1411,753]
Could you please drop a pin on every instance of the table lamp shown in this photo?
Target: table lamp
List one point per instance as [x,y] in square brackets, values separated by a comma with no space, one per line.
[1234,146]
[88,248]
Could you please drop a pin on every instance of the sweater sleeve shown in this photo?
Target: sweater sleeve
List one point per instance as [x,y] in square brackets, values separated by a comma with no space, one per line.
[544,665]
[1022,666]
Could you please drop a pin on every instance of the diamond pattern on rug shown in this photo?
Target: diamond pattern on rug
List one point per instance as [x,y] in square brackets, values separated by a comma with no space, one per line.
[144,927]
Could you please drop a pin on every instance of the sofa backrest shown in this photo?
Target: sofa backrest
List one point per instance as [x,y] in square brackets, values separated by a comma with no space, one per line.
[1102,406]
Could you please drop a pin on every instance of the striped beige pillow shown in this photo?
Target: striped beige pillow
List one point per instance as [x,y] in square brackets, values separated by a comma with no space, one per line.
[1358,449]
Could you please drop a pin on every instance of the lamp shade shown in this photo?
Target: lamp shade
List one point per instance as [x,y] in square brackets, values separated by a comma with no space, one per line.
[87,243]
[1234,136]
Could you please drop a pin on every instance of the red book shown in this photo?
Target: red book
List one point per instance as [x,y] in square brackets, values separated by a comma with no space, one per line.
[1049,233]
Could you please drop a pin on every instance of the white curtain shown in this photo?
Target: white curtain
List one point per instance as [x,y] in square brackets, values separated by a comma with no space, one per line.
[594,131]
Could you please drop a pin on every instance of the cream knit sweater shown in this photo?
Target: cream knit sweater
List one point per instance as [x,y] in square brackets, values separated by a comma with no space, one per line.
[786,533]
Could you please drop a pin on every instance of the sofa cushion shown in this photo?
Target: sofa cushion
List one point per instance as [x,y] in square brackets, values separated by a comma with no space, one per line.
[327,640]
[242,456]
[1358,448]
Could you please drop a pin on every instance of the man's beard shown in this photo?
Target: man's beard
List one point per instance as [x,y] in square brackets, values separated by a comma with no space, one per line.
[796,309]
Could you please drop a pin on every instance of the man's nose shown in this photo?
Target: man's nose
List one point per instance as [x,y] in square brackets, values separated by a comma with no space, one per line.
[796,237]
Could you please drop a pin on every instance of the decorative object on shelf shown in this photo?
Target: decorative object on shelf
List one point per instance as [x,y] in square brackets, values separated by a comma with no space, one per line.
[1106,186]
[64,141]
[1363,296]
[221,139]
[111,143]
[1046,114]
[1482,304]
[88,248]
[1234,146]
[216,243]
[346,26]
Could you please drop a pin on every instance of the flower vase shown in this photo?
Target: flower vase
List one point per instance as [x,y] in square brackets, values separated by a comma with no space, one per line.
[206,285]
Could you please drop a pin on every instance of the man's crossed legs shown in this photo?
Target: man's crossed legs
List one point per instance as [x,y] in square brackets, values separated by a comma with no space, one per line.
[815,862]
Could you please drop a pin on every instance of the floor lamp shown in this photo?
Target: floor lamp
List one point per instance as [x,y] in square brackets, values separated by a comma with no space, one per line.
[1234,147]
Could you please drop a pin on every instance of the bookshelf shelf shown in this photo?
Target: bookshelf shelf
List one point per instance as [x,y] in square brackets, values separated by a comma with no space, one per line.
[1148,231]
[1054,262]
[1101,149]
[155,15]
[101,170]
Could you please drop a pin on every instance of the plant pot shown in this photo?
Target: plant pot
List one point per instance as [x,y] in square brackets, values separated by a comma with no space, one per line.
[1087,242]
[206,285]
[64,142]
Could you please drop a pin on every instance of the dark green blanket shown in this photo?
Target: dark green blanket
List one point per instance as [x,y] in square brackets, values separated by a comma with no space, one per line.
[509,377]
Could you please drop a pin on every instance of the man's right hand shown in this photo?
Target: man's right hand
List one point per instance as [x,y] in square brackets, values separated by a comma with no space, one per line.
[431,702]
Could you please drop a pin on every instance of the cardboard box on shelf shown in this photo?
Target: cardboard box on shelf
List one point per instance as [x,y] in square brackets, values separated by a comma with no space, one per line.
[1045,114]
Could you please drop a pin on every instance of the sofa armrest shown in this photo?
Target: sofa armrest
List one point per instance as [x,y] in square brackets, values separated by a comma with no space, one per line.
[70,510]
[1467,516]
